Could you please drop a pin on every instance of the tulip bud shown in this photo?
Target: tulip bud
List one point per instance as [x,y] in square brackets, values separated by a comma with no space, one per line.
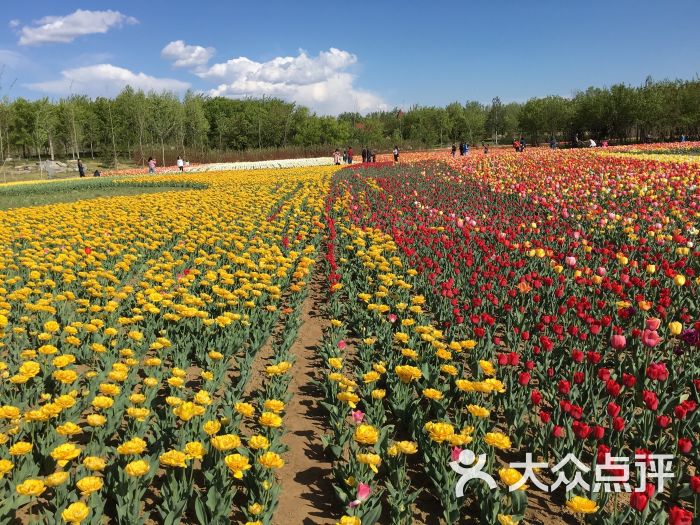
[684,446]
[653,323]
[618,342]
[651,268]
[695,484]
[679,280]
[613,409]
[638,501]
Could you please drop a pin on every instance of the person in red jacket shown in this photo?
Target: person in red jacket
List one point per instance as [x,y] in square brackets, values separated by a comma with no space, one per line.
[349,154]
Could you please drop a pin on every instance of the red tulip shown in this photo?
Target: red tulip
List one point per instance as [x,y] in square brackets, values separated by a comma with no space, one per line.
[638,501]
[663,421]
[695,484]
[679,516]
[581,429]
[613,388]
[684,446]
[657,372]
[598,432]
[628,380]
[535,397]
[680,412]
[650,400]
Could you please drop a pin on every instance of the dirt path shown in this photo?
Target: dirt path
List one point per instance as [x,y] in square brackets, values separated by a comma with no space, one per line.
[307,495]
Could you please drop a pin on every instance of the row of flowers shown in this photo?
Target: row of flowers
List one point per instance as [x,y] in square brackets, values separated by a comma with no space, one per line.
[129,329]
[576,276]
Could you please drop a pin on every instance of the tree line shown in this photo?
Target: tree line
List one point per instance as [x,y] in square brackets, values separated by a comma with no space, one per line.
[137,125]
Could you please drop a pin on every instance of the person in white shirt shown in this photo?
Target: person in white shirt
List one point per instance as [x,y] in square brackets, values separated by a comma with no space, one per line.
[180,163]
[593,144]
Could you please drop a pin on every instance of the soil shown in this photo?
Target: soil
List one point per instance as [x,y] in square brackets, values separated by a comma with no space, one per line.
[307,495]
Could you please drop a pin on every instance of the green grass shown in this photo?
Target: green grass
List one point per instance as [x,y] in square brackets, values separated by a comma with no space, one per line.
[24,195]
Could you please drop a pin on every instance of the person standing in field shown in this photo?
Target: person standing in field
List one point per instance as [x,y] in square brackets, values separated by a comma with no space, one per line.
[454,149]
[364,154]
[516,145]
[151,165]
[396,153]
[486,148]
[349,154]
[180,163]
[81,169]
[336,157]
[345,156]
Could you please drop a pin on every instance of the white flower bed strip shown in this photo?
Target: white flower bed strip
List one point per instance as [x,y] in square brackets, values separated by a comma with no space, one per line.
[258,165]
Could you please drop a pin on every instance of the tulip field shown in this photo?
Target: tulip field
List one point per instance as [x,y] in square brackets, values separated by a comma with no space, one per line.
[505,338]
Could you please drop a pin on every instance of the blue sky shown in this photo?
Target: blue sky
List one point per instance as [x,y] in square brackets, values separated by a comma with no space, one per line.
[336,56]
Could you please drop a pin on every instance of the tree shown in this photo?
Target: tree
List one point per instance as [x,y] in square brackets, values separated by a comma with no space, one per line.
[195,124]
[531,118]
[165,115]
[21,127]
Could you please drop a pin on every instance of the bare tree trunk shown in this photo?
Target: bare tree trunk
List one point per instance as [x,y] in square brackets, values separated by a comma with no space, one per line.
[51,147]
[141,145]
[162,149]
[75,134]
[114,140]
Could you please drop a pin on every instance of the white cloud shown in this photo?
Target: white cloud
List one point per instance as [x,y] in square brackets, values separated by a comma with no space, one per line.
[183,55]
[105,80]
[67,28]
[322,82]
[14,23]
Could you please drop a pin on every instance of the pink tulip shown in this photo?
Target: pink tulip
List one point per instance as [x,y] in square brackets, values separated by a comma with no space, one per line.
[456,451]
[342,345]
[650,338]
[570,261]
[601,271]
[618,342]
[357,416]
[392,318]
[363,492]
[653,323]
